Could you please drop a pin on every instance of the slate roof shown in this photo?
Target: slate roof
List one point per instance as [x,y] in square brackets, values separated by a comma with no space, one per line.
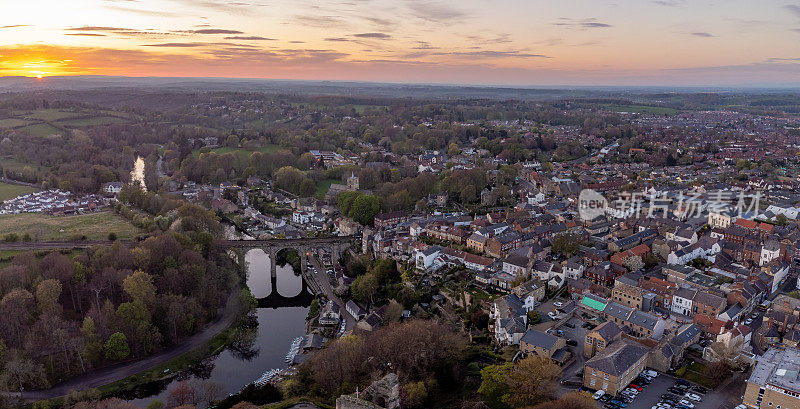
[685,335]
[617,358]
[608,330]
[539,339]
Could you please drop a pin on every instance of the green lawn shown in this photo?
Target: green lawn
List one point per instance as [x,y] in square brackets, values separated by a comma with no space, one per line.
[642,109]
[242,151]
[323,186]
[93,121]
[12,123]
[94,226]
[41,130]
[8,191]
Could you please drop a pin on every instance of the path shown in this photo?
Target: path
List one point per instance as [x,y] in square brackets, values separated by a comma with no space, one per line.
[105,376]
[325,283]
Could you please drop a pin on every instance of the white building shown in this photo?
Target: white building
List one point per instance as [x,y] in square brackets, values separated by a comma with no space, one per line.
[771,250]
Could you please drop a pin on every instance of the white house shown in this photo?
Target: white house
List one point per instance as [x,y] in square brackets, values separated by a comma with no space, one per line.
[771,250]
[425,258]
[682,301]
[112,187]
[573,270]
[535,198]
[301,217]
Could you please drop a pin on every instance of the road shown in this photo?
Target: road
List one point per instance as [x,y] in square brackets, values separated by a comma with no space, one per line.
[325,283]
[107,375]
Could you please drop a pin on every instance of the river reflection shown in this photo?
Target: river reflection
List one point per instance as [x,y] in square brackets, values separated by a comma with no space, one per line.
[261,346]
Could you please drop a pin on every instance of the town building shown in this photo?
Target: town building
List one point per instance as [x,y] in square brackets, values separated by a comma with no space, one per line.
[775,381]
[613,368]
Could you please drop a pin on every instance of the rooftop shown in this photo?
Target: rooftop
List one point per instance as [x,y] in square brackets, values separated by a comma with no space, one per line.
[778,367]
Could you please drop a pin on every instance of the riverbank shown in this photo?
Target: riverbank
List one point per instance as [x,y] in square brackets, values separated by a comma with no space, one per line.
[118,378]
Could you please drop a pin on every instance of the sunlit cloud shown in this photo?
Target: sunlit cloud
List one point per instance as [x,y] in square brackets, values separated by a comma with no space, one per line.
[527,42]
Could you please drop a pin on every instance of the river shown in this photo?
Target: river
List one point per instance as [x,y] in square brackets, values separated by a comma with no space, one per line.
[137,174]
[233,369]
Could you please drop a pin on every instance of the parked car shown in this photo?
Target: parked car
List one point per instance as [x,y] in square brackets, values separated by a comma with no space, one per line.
[682,382]
[748,321]
[572,342]
[569,325]
[693,396]
[686,403]
[558,304]
[651,373]
[699,389]
[635,386]
[619,403]
[560,332]
[599,394]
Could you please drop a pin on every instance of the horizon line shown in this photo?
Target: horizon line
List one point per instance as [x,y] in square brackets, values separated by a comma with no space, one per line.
[773,86]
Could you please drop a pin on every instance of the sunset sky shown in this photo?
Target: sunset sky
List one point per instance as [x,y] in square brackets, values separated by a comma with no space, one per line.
[510,42]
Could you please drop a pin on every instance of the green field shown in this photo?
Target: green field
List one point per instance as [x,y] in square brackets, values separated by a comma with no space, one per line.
[8,191]
[93,121]
[642,109]
[52,114]
[94,226]
[225,149]
[323,186]
[9,163]
[361,108]
[12,123]
[41,130]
